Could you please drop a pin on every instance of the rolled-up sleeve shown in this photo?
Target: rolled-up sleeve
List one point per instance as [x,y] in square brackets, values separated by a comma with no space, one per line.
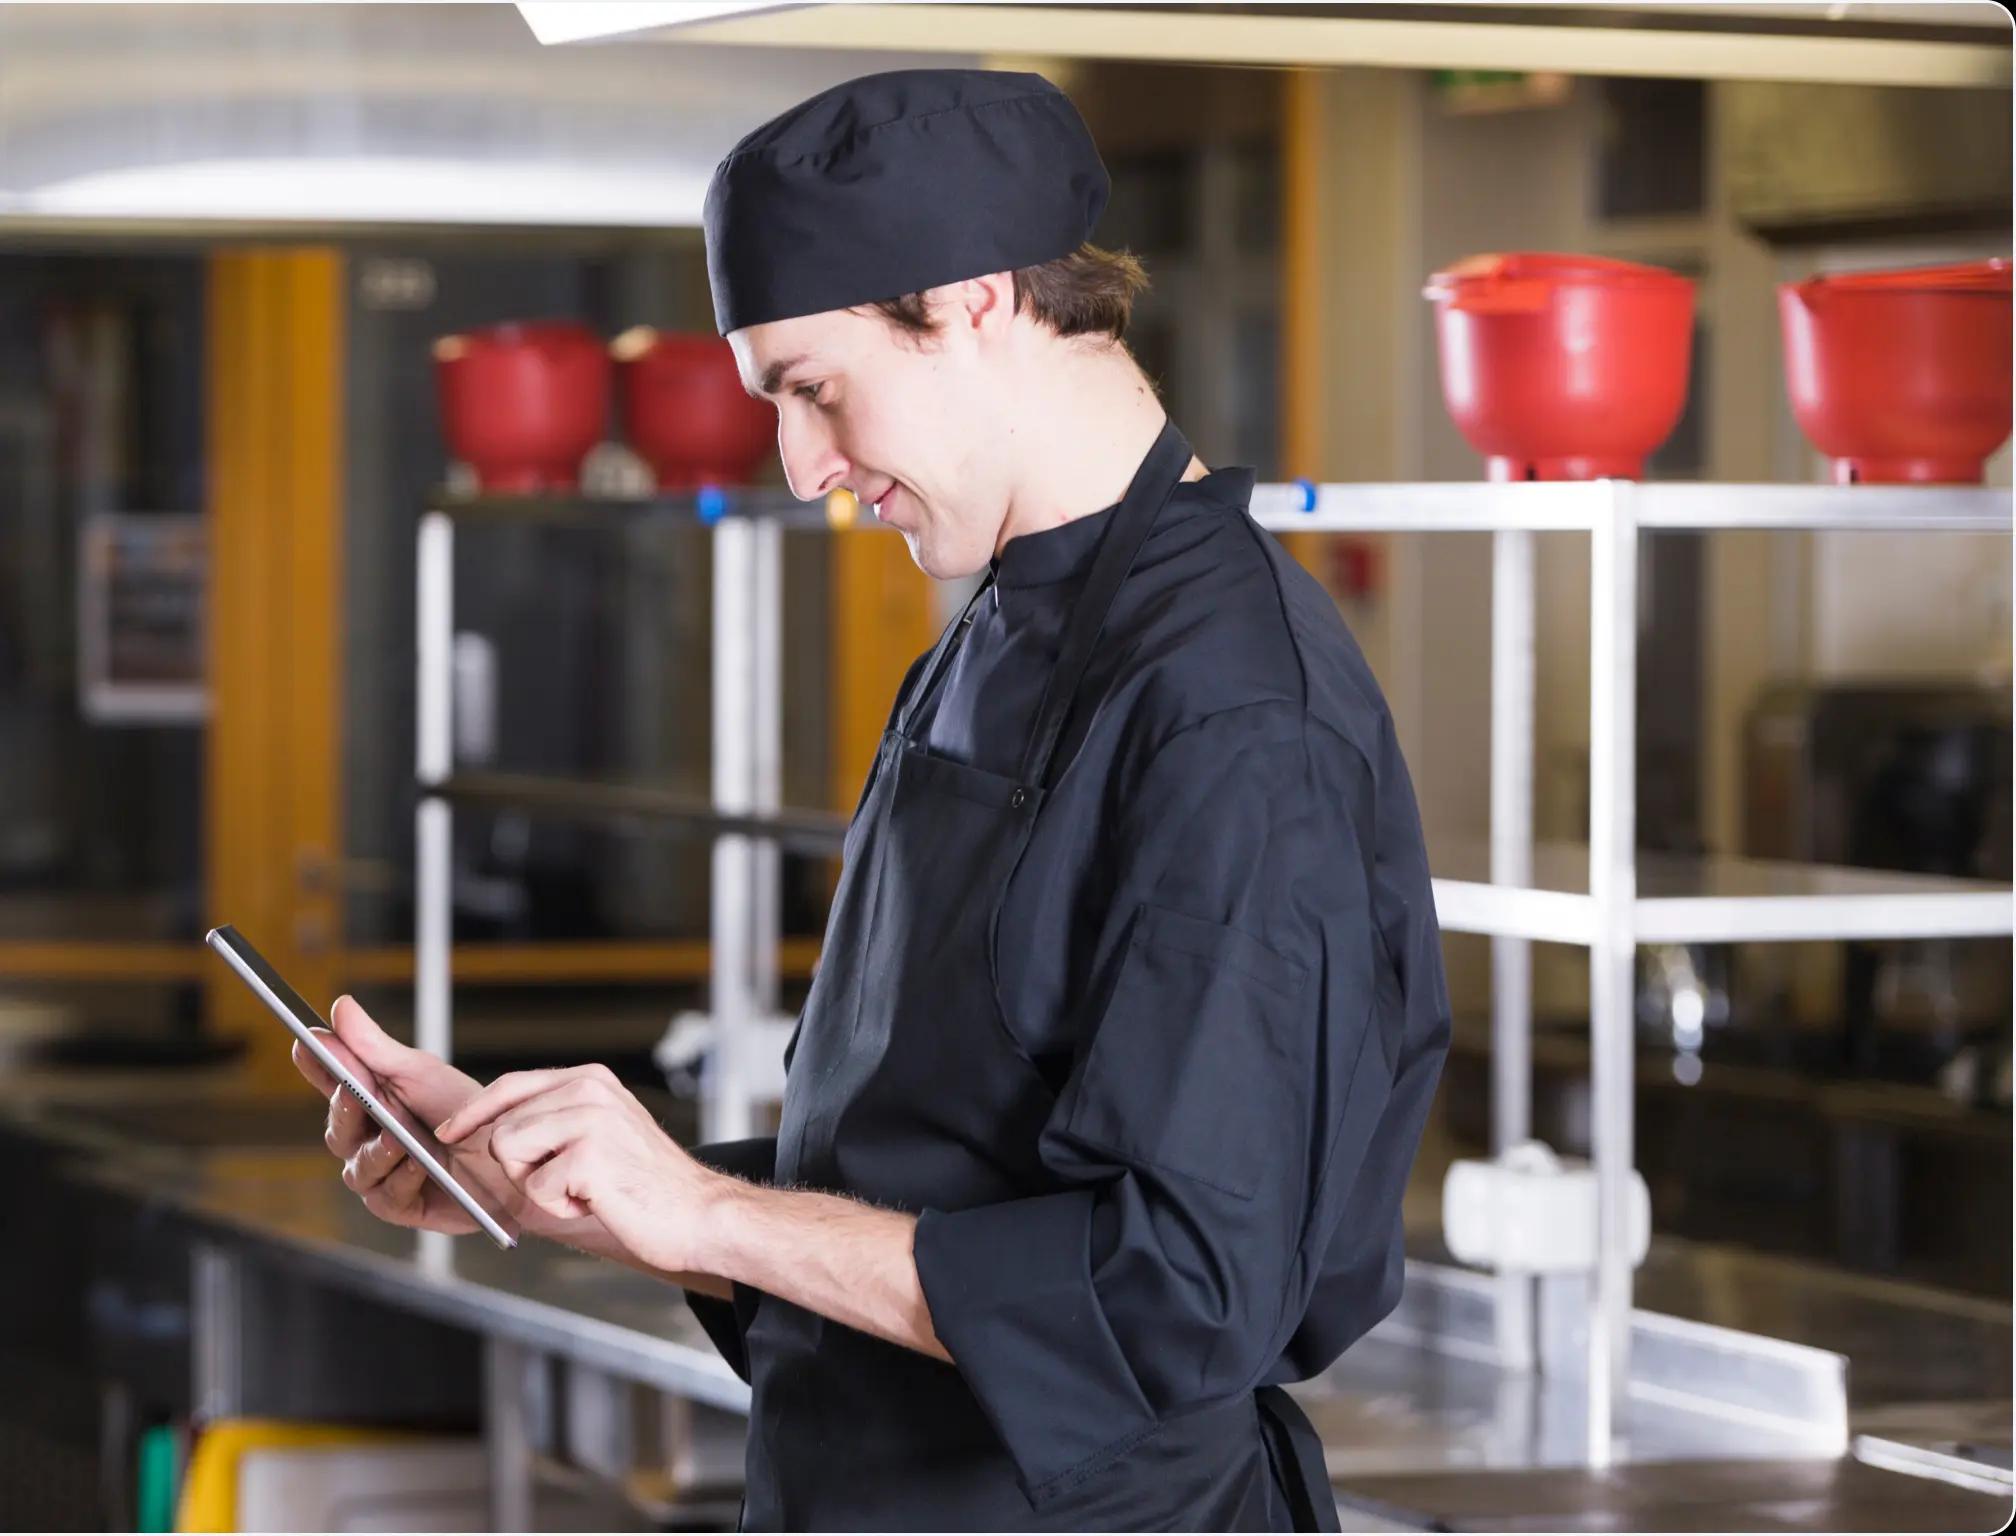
[1230,1006]
[756,1161]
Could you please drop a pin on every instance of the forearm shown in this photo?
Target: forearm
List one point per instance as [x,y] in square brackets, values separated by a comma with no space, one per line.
[828,1254]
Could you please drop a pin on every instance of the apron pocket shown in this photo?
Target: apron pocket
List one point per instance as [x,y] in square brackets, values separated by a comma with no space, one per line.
[1195,1057]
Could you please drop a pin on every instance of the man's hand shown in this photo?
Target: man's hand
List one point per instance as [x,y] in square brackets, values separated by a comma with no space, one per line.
[576,1144]
[396,1189]
[392,1186]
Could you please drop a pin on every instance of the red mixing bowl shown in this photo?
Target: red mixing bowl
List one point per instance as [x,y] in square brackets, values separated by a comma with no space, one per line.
[1562,367]
[522,403]
[685,411]
[1903,375]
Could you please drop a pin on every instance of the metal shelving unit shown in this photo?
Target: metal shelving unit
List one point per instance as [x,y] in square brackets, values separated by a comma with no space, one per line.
[744,817]
[1598,895]
[1591,895]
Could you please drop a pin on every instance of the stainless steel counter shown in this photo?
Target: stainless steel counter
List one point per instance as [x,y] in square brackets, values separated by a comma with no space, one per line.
[1757,1495]
[247,1176]
[282,1198]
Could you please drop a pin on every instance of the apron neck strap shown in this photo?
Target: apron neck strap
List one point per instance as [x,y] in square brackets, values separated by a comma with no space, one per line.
[1119,545]
[939,655]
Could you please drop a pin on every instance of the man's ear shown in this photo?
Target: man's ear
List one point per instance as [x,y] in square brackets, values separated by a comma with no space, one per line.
[984,304]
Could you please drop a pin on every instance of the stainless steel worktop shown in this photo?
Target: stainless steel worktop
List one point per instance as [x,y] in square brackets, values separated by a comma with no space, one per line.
[1393,1416]
[277,1191]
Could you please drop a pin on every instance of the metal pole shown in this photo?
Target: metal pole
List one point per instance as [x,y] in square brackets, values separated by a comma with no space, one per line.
[1512,685]
[434,742]
[1613,657]
[767,757]
[509,1390]
[216,1331]
[725,1110]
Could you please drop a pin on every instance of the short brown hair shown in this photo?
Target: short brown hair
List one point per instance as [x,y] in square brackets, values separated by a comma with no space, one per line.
[1090,292]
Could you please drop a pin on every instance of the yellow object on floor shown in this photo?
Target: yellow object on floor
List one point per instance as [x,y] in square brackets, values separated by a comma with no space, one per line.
[210,1492]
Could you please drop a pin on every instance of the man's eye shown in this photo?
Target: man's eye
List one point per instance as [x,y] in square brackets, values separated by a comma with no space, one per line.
[809,392]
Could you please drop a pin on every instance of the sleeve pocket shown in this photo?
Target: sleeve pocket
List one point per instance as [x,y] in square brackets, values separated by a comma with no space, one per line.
[1195,1056]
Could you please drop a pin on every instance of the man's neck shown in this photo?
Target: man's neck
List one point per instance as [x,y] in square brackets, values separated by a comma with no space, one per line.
[1083,440]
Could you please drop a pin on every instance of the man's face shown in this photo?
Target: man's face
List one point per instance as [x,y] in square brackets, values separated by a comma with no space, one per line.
[903,423]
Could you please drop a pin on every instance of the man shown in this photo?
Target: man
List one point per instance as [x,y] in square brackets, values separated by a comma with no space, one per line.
[1130,1006]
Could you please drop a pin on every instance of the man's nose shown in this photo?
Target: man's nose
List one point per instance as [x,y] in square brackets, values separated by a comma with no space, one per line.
[813,463]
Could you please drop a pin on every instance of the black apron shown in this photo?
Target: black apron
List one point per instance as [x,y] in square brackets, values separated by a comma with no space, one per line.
[900,1052]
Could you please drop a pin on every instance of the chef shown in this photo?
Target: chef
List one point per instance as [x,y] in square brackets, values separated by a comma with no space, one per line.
[1130,1006]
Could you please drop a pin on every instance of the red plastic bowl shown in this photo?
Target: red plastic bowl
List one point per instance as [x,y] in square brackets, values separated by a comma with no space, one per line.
[1562,367]
[1901,376]
[522,404]
[685,411]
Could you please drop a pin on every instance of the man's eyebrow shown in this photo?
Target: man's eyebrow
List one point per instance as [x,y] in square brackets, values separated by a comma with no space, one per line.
[773,376]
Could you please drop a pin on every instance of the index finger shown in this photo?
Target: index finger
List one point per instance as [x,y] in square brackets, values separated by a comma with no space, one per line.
[508,1092]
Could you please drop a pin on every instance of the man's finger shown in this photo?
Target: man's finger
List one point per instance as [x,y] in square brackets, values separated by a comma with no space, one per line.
[317,1074]
[525,1139]
[367,1165]
[406,1183]
[372,1169]
[387,1207]
[333,1044]
[349,1126]
[351,1113]
[366,1042]
[377,1159]
[508,1092]
[573,1093]
[548,1190]
[401,1203]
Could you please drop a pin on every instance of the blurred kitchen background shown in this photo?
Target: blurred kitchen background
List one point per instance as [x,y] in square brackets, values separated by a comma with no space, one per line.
[230,237]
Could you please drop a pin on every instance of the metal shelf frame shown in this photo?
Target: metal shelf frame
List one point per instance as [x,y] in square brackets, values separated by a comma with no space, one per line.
[1609,918]
[744,816]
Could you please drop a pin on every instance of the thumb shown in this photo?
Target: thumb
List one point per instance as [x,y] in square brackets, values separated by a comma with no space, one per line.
[381,1055]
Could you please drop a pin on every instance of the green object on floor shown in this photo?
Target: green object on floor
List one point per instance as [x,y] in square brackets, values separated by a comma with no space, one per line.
[154,1503]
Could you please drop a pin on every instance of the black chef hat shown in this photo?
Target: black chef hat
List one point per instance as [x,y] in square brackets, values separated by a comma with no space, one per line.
[894,183]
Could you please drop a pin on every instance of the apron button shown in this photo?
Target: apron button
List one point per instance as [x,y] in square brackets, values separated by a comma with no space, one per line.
[1019,799]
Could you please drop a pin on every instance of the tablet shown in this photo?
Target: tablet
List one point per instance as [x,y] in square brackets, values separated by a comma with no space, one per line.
[292,1010]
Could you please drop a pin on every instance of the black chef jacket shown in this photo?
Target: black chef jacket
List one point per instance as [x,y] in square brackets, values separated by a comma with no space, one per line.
[1220,1206]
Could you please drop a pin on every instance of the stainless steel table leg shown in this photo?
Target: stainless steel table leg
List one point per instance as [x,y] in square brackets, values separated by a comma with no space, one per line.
[216,1331]
[509,1390]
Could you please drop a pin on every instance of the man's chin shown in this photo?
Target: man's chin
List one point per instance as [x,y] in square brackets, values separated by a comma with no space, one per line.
[937,563]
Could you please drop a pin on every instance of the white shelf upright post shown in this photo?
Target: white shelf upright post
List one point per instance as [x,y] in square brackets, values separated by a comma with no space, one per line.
[434,754]
[1513,665]
[1613,669]
[725,1107]
[767,767]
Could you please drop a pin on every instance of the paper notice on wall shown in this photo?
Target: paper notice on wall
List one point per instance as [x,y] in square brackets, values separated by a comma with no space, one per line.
[140,644]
